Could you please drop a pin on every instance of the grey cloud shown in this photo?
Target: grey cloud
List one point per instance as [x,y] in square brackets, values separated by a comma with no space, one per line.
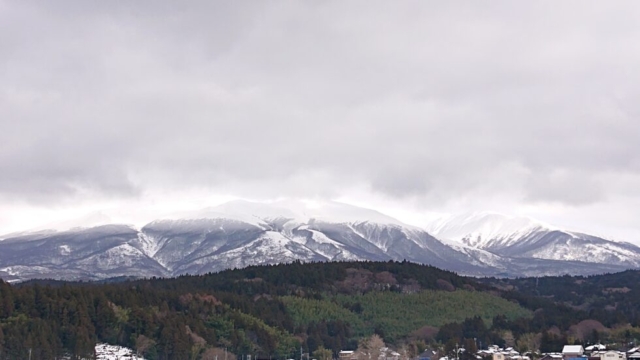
[573,188]
[414,99]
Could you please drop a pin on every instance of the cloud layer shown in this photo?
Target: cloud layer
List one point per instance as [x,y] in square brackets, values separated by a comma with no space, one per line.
[430,104]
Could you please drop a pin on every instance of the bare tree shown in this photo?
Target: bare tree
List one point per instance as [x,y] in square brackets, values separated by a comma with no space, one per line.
[370,348]
[143,343]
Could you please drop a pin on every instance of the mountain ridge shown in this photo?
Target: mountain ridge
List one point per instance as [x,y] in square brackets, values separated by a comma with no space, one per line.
[527,238]
[241,233]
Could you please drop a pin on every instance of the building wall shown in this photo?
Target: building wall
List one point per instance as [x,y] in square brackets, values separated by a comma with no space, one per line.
[612,355]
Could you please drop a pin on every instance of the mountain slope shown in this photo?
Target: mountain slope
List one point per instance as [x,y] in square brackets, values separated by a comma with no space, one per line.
[518,237]
[233,235]
[240,233]
[94,253]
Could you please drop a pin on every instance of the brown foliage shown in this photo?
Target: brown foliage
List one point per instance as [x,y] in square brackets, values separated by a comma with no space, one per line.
[386,278]
[206,298]
[585,328]
[217,354]
[426,333]
[468,287]
[185,299]
[195,338]
[555,331]
[411,287]
[445,285]
[357,279]
[143,344]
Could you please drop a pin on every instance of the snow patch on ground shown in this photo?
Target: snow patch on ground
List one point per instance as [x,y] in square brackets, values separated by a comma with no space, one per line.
[114,352]
[64,249]
[17,270]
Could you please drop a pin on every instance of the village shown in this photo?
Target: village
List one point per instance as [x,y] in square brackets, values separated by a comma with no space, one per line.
[493,352]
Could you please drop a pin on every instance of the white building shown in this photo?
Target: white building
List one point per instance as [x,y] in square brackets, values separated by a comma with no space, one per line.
[572,351]
[609,355]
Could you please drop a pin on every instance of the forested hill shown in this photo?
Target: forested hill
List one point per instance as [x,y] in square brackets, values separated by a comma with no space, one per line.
[613,297]
[273,311]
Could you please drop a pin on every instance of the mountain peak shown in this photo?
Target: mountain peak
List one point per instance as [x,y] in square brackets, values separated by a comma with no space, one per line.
[302,211]
[241,233]
[477,228]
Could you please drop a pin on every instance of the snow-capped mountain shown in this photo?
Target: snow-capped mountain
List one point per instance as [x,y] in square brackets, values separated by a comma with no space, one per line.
[93,253]
[242,233]
[520,237]
[484,230]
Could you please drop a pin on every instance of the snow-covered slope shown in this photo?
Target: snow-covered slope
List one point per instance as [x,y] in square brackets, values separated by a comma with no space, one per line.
[519,237]
[484,230]
[94,253]
[234,234]
[303,211]
[242,233]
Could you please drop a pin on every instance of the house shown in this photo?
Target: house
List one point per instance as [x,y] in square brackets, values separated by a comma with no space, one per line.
[347,355]
[609,355]
[552,356]
[572,351]
[494,352]
[519,357]
[633,355]
[597,347]
[498,356]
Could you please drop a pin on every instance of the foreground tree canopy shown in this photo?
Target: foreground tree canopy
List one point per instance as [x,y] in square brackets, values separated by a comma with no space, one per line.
[319,308]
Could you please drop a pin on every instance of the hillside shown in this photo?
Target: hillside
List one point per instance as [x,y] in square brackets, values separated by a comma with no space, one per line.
[273,311]
[612,296]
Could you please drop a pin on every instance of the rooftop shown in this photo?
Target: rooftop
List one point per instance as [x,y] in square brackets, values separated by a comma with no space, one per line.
[572,349]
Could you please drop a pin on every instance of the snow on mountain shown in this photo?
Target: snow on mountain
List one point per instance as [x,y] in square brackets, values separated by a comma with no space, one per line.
[484,230]
[482,257]
[520,237]
[302,211]
[242,233]
[94,253]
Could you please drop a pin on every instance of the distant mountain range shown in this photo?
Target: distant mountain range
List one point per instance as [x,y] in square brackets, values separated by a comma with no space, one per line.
[242,233]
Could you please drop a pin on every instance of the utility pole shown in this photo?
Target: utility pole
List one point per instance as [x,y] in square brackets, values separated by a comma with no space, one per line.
[29,353]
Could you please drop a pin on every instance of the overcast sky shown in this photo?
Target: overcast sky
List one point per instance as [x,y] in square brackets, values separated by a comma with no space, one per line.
[413,108]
